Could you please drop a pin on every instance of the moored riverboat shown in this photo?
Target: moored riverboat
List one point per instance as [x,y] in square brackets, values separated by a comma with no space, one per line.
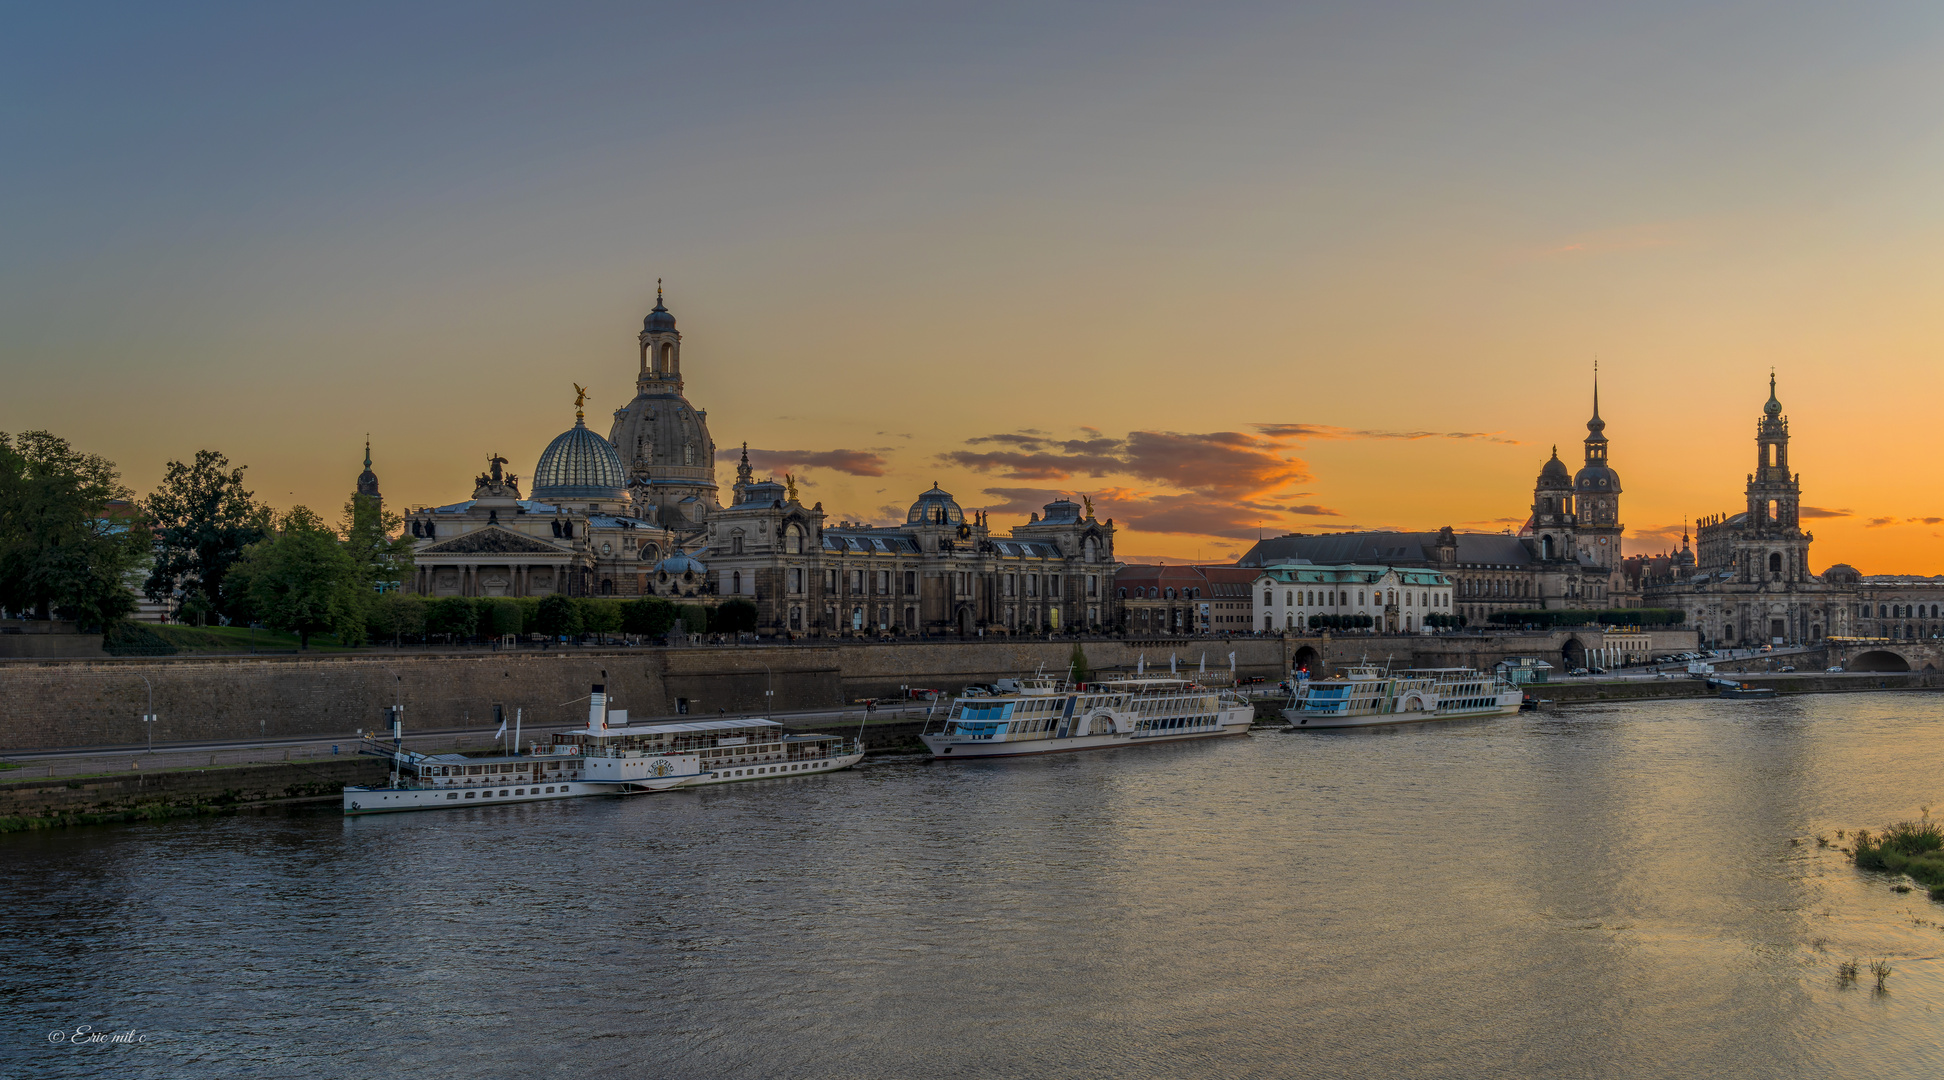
[1050,716]
[607,757]
[1367,695]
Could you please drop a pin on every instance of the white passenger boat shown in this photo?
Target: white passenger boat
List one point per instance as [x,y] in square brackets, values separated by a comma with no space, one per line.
[1049,716]
[607,757]
[1367,695]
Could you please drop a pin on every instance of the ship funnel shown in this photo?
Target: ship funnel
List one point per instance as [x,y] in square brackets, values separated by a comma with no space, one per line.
[597,708]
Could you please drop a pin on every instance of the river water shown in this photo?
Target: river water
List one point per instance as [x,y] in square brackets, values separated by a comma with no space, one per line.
[1603,892]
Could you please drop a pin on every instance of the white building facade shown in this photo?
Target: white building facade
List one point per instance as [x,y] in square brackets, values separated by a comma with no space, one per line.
[1397,599]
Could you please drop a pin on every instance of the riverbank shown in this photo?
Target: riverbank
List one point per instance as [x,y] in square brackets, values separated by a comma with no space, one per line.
[1588,692]
[181,789]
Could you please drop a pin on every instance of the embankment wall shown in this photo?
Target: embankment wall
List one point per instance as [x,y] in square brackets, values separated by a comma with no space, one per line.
[48,704]
[225,786]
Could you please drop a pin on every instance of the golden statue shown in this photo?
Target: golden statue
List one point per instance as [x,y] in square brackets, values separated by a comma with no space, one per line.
[580,397]
[1088,499]
[789,485]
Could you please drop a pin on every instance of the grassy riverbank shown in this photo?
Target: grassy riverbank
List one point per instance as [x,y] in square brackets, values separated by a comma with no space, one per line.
[1915,848]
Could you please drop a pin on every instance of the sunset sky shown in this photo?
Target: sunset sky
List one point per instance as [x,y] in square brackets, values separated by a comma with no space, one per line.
[1224,267]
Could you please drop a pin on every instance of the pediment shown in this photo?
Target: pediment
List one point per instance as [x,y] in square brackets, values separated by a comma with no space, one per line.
[493,540]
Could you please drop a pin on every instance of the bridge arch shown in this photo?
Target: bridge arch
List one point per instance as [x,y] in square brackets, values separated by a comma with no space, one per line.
[1878,660]
[1573,652]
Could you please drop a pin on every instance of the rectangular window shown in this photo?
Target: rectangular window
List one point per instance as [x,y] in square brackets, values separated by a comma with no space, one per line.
[830,581]
[884,583]
[856,581]
[796,581]
[911,583]
[1093,585]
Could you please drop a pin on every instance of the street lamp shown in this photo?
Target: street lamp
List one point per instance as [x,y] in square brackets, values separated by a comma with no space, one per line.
[148,718]
[769,695]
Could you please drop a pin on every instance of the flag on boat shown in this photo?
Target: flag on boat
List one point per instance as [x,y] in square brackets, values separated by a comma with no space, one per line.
[1203,670]
[502,729]
[1171,663]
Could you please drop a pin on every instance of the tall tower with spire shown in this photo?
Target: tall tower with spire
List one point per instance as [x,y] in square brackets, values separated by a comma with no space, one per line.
[1596,488]
[663,440]
[368,480]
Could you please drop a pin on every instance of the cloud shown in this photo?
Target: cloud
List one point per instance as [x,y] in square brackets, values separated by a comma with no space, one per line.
[1221,464]
[854,462]
[1311,510]
[1822,512]
[1879,522]
[1306,432]
[1925,520]
[1657,534]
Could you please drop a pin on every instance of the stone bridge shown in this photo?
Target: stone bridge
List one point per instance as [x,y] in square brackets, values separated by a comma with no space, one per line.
[1886,654]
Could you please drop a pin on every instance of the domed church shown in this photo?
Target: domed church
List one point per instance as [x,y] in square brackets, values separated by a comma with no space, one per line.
[661,439]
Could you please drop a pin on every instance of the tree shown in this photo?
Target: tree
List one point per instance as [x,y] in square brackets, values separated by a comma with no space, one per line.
[648,617]
[695,618]
[453,616]
[557,617]
[733,617]
[203,518]
[597,616]
[498,617]
[299,579]
[1077,668]
[395,615]
[378,543]
[67,537]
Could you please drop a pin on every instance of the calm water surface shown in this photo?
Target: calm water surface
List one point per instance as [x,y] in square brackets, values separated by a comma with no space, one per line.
[1598,893]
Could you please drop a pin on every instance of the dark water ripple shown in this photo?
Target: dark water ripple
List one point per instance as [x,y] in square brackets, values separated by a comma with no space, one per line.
[1603,893]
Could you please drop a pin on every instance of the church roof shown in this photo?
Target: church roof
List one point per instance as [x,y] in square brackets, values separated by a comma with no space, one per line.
[934,507]
[658,320]
[1555,474]
[1476,549]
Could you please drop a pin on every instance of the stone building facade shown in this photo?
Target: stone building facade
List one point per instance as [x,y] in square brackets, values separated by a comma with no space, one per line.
[941,571]
[1396,599]
[1155,600]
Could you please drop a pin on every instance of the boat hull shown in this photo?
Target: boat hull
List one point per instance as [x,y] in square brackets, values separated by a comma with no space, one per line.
[953,748]
[1303,721]
[362,800]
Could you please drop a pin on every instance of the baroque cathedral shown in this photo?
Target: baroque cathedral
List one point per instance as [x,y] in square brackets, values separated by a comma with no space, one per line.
[1568,554]
[638,513]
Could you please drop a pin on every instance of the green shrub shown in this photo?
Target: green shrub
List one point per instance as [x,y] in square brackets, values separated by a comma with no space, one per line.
[695,618]
[733,616]
[649,616]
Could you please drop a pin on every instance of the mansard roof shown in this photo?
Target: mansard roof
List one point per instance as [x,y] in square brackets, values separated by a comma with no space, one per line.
[1474,549]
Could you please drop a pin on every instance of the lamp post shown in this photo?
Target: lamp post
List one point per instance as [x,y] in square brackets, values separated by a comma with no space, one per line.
[769,694]
[148,718]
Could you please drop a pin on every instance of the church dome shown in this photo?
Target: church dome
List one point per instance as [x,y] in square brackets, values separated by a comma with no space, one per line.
[1596,480]
[659,319]
[935,507]
[1555,475]
[1773,407]
[579,465]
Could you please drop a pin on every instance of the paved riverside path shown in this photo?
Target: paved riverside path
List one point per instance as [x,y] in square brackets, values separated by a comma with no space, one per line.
[91,760]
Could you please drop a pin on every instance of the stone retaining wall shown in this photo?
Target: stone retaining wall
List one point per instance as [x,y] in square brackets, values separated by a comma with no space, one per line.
[228,785]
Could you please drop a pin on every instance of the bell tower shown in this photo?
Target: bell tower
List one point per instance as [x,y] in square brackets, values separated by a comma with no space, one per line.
[661,350]
[1773,545]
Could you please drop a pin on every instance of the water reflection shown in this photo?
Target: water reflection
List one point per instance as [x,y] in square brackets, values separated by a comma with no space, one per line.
[1608,893]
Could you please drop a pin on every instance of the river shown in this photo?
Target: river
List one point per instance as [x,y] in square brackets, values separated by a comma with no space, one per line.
[1600,892]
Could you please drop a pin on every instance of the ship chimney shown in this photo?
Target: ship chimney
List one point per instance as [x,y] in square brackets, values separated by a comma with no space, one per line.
[597,708]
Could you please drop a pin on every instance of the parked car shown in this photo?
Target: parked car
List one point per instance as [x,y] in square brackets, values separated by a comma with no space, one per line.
[1834,669]
[1576,671]
[1788,667]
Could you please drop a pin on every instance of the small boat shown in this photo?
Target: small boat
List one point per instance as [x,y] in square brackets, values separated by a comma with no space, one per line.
[1367,695]
[1044,715]
[1743,690]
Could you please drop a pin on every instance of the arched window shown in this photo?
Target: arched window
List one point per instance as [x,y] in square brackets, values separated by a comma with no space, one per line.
[1123,593]
[1289,598]
[1775,562]
[735,583]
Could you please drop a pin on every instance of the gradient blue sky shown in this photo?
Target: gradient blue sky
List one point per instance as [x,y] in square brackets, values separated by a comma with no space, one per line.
[892,230]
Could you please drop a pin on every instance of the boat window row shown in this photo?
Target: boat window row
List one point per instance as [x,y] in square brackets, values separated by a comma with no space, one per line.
[1169,724]
[516,792]
[767,769]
